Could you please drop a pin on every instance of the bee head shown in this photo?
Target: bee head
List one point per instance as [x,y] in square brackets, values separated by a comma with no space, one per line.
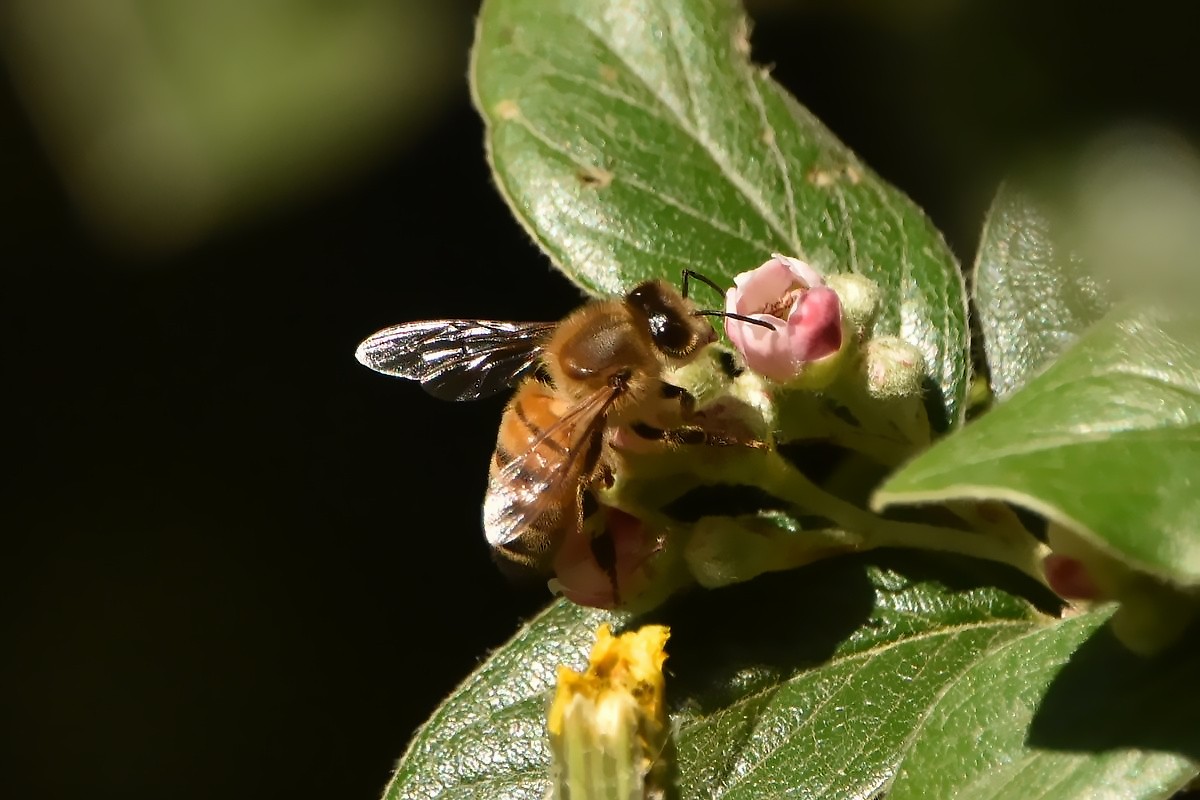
[669,319]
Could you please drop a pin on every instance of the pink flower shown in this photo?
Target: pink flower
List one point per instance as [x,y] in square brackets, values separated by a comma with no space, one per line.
[805,313]
[581,577]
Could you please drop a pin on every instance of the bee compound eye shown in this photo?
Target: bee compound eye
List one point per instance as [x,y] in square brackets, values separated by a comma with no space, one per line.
[672,336]
[665,317]
[647,298]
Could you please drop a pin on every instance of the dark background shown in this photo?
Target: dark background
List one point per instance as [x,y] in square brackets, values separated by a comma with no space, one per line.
[240,564]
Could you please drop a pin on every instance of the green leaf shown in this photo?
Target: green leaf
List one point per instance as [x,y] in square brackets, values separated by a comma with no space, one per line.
[1106,442]
[810,681]
[207,111]
[634,138]
[1033,295]
[1026,723]
[488,739]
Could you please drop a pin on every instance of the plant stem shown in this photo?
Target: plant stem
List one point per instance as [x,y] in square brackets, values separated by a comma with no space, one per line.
[771,472]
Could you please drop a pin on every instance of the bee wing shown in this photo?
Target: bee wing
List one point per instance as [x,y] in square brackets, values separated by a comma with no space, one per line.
[530,484]
[457,359]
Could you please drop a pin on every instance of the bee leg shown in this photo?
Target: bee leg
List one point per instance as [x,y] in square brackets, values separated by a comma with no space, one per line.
[687,401]
[591,455]
[603,547]
[693,430]
[604,550]
[691,435]
[687,434]
[603,479]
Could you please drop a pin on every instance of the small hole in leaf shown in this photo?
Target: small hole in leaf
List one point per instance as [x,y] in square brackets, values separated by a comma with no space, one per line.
[594,176]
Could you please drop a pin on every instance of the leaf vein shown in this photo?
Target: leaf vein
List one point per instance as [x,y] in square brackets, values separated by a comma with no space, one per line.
[773,144]
[985,652]
[999,625]
[597,85]
[787,738]
[707,145]
[890,709]
[684,208]
[847,226]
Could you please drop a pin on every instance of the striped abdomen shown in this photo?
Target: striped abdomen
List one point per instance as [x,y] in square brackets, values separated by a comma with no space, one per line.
[546,502]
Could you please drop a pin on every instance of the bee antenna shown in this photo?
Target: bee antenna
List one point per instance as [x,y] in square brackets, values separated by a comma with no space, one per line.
[687,273]
[730,315]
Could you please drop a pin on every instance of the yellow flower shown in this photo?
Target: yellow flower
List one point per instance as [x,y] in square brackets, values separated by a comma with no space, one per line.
[608,726]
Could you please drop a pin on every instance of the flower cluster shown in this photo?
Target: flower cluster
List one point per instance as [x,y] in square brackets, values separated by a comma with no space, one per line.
[809,370]
[805,361]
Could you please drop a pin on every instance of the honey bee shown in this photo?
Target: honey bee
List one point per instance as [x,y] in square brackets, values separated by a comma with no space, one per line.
[579,380]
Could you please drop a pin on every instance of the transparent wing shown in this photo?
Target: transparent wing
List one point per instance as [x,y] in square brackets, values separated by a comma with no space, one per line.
[457,359]
[532,483]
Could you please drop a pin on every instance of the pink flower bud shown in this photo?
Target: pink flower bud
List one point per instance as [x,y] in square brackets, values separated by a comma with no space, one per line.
[581,577]
[1069,577]
[792,297]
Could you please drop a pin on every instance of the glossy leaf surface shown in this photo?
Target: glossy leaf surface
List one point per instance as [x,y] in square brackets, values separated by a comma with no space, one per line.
[1105,441]
[1033,293]
[1055,715]
[767,693]
[634,138]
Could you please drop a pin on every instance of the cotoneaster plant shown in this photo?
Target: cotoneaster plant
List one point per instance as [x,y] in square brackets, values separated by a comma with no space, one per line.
[864,593]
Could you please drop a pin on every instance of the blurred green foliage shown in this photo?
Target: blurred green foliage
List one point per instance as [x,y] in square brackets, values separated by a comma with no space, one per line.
[167,118]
